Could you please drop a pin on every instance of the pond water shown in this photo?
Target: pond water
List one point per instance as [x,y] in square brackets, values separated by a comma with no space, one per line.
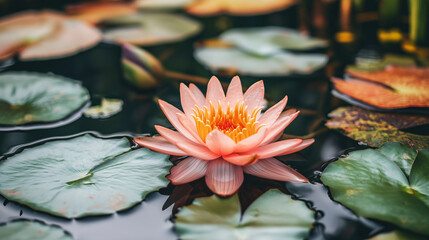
[99,70]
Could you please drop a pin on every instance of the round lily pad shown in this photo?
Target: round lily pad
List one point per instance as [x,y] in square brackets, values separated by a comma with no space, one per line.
[270,40]
[389,184]
[34,97]
[82,176]
[235,61]
[32,230]
[151,28]
[274,215]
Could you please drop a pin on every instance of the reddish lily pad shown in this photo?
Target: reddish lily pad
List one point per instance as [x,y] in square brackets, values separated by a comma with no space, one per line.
[238,7]
[375,128]
[392,88]
[82,176]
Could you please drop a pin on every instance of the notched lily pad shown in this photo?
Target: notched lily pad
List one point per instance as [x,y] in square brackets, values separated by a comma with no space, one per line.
[151,28]
[270,40]
[375,128]
[34,97]
[107,108]
[220,218]
[82,176]
[231,61]
[32,230]
[389,184]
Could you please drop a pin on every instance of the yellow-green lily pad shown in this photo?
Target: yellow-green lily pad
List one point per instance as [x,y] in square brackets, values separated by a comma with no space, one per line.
[151,28]
[107,108]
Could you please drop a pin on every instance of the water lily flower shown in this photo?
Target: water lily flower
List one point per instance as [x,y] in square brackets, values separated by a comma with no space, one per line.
[226,135]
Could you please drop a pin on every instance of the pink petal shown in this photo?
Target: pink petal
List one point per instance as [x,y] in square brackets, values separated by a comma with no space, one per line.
[187,170]
[251,142]
[196,150]
[276,130]
[170,135]
[271,115]
[159,144]
[188,100]
[214,92]
[171,113]
[190,127]
[254,96]
[224,178]
[241,159]
[276,149]
[299,147]
[272,168]
[234,93]
[199,96]
[219,143]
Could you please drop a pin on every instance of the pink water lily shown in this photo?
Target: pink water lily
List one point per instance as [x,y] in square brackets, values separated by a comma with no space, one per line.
[226,135]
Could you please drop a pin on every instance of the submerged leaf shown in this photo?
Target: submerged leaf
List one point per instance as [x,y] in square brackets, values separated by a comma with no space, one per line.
[263,219]
[35,97]
[108,107]
[238,7]
[392,88]
[375,128]
[388,184]
[234,61]
[32,230]
[151,28]
[270,40]
[82,176]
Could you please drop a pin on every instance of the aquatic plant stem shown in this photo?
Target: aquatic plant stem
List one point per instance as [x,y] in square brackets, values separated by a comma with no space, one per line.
[188,78]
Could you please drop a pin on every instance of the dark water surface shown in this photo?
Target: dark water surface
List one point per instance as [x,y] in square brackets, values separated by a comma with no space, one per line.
[99,70]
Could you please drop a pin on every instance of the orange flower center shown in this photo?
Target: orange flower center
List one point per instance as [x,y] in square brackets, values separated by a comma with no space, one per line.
[234,122]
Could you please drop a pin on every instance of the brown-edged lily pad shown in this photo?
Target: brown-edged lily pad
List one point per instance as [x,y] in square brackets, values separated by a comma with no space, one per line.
[151,28]
[82,176]
[391,88]
[375,128]
[238,7]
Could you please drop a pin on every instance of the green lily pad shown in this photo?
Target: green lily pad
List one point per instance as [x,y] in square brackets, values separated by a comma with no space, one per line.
[274,215]
[82,176]
[108,107]
[372,65]
[376,128]
[151,28]
[397,235]
[234,61]
[389,184]
[270,40]
[32,230]
[35,97]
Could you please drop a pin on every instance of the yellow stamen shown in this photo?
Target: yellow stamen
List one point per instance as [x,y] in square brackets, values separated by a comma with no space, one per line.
[234,122]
